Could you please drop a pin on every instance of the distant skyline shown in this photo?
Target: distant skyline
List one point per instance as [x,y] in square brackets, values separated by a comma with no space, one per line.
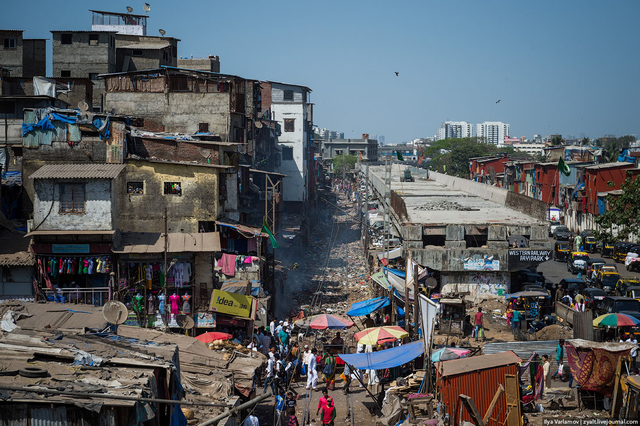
[567,67]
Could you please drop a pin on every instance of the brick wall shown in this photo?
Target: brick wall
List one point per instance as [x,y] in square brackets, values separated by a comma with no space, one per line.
[175,150]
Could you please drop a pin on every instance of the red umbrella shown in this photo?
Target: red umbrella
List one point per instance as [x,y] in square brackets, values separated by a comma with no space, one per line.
[210,336]
[324,321]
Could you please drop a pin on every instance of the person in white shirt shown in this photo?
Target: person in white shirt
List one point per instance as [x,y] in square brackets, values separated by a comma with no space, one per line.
[312,374]
[272,326]
[251,421]
[269,376]
[634,353]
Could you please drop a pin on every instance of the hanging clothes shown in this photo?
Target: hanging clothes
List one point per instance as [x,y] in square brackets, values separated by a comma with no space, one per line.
[186,305]
[228,263]
[148,276]
[151,305]
[138,303]
[174,299]
[161,306]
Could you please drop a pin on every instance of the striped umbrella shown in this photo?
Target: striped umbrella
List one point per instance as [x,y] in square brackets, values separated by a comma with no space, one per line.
[446,354]
[324,321]
[616,320]
[376,335]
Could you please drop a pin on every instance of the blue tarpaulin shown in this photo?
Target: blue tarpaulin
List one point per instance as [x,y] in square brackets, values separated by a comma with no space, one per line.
[396,272]
[64,118]
[387,358]
[43,124]
[363,308]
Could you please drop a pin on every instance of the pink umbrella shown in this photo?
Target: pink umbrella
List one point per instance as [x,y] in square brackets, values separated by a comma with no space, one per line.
[324,321]
[446,354]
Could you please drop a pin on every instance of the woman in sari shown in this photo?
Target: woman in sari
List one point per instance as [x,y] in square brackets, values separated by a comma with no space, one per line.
[329,370]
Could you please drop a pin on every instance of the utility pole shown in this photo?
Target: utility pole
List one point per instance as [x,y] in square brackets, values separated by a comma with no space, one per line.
[387,219]
[166,248]
[416,307]
[366,214]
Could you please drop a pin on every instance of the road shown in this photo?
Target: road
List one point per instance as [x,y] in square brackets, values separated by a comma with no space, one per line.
[556,271]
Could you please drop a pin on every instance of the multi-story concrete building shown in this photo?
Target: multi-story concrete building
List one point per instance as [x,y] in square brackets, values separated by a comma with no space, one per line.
[326,134]
[289,105]
[492,131]
[455,129]
[336,147]
[135,52]
[23,57]
[210,63]
[121,23]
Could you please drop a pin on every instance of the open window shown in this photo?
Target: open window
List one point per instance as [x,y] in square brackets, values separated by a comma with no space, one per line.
[135,188]
[173,188]
[289,124]
[72,198]
[287,153]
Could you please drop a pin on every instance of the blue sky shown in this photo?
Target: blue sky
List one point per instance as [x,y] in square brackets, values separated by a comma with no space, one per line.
[568,67]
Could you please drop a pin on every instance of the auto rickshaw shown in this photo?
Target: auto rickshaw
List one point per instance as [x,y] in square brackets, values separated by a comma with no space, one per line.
[633,292]
[607,248]
[620,251]
[588,241]
[530,303]
[624,283]
[561,251]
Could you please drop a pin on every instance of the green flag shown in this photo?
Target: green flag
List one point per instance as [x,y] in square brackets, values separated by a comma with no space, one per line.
[266,230]
[399,156]
[564,167]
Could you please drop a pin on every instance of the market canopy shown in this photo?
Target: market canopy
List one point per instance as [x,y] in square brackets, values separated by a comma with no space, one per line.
[388,358]
[527,294]
[360,309]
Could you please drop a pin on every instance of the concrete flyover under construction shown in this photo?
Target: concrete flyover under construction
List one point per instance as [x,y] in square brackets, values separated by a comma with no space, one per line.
[461,230]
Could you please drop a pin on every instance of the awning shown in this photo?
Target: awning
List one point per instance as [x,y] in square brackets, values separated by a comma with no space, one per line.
[365,307]
[381,279]
[240,287]
[178,242]
[387,358]
[397,272]
[243,229]
[393,254]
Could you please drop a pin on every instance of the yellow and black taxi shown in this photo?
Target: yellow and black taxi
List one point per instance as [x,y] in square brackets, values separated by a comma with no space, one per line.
[607,280]
[624,283]
[633,291]
[588,241]
[577,262]
[620,251]
[607,248]
[561,251]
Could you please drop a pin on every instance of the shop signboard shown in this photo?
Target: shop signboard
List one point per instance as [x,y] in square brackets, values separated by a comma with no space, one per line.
[523,258]
[206,320]
[69,248]
[231,303]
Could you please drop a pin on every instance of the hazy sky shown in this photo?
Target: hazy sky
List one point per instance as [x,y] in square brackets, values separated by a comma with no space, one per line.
[569,66]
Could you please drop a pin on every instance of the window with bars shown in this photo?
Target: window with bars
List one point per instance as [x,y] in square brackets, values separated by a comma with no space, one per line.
[289,124]
[72,198]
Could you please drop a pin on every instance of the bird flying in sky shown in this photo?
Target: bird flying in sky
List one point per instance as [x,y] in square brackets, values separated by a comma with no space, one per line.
[498,101]
[397,73]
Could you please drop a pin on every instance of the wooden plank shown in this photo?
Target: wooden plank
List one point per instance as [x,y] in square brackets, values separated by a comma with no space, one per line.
[492,406]
[468,403]
[512,394]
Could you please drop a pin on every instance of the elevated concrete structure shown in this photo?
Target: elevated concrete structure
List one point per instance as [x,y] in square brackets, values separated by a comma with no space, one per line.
[460,229]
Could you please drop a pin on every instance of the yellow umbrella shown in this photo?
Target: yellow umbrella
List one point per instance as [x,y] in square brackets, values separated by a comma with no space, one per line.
[376,335]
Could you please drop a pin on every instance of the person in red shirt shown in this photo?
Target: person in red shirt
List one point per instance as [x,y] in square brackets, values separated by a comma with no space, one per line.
[478,324]
[328,413]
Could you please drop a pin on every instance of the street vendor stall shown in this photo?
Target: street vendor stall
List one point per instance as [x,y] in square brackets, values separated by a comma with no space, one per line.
[528,303]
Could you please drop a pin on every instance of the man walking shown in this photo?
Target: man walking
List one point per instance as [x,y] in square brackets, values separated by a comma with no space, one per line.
[479,324]
[312,373]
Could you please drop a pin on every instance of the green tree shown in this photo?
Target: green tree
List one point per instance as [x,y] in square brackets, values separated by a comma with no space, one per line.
[344,163]
[557,140]
[623,213]
[613,146]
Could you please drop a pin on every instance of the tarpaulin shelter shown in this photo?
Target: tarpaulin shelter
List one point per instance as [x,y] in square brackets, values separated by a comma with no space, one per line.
[365,307]
[388,358]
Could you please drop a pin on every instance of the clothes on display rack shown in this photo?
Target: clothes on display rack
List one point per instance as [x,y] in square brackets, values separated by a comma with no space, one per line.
[78,265]
[186,305]
[174,299]
[161,306]
[138,303]
[151,305]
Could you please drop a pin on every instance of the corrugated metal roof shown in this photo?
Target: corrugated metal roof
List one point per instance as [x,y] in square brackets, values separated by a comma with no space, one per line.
[475,363]
[609,165]
[70,232]
[153,242]
[78,171]
[525,349]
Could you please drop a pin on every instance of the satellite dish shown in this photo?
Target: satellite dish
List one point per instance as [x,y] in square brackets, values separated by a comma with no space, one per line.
[129,9]
[84,107]
[147,7]
[162,32]
[185,322]
[115,312]
[431,283]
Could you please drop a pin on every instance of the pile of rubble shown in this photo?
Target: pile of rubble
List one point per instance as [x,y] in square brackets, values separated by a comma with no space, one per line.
[444,205]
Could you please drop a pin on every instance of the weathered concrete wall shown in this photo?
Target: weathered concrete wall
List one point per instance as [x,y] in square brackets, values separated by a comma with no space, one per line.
[452,258]
[179,112]
[34,57]
[527,205]
[12,58]
[296,169]
[169,149]
[199,200]
[97,212]
[476,285]
[491,193]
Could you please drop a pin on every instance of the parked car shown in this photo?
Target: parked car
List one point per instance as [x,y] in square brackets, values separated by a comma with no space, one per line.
[577,262]
[594,297]
[606,248]
[588,241]
[561,251]
[607,281]
[572,286]
[562,233]
[552,227]
[617,304]
[620,250]
[624,283]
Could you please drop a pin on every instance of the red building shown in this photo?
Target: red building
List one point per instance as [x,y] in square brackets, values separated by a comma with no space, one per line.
[484,169]
[602,178]
[546,182]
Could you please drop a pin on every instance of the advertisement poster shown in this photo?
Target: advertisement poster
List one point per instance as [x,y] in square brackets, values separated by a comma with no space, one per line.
[231,303]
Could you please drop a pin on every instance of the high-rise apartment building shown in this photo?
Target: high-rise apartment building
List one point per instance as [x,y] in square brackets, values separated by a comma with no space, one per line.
[492,131]
[455,129]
